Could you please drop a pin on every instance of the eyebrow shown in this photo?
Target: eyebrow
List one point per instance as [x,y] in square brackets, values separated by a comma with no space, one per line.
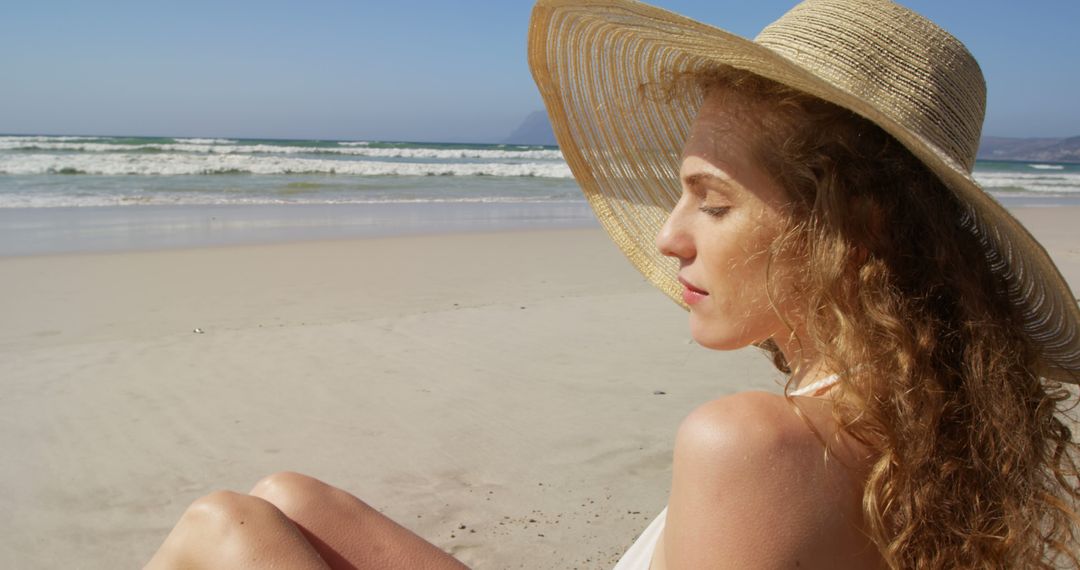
[705,177]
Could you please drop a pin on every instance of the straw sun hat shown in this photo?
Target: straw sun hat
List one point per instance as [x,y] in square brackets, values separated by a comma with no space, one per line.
[590,59]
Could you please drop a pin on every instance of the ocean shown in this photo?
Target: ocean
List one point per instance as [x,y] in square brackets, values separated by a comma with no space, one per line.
[80,193]
[51,171]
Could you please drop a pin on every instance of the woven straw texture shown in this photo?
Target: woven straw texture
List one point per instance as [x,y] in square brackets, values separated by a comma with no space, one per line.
[593,61]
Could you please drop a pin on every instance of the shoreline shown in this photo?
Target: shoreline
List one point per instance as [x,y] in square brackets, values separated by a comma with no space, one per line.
[119,229]
[37,231]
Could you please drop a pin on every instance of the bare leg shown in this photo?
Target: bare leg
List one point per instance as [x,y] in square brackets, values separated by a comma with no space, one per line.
[230,530]
[345,531]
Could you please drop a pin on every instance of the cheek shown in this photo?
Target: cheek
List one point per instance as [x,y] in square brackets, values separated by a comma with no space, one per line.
[739,310]
[741,268]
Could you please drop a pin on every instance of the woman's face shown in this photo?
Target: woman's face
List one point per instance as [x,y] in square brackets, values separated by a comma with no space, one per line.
[721,230]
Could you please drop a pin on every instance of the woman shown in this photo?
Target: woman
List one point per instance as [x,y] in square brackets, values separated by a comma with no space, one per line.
[809,193]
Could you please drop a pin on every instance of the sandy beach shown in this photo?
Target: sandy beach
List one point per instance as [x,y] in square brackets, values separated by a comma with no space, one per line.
[510,396]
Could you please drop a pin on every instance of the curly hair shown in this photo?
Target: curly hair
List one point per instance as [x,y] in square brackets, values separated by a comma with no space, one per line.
[973,462]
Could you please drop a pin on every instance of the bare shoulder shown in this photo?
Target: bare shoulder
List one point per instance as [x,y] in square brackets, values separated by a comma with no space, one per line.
[753,488]
[758,426]
[763,418]
[757,444]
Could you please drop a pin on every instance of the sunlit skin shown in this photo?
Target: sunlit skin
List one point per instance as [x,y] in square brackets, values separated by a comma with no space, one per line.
[729,215]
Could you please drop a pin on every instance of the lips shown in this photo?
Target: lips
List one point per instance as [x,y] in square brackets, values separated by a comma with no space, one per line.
[692,295]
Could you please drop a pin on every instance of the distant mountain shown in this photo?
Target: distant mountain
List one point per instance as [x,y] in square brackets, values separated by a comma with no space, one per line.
[535,129]
[1041,149]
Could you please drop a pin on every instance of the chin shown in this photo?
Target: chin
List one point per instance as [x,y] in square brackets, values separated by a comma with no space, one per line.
[722,336]
[720,343]
[711,337]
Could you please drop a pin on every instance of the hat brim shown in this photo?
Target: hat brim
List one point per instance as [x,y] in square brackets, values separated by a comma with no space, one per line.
[592,59]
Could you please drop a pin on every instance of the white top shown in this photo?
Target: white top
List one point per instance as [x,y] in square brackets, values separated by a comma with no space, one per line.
[640,554]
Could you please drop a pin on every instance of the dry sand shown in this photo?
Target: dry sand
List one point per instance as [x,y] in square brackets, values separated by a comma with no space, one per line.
[504,383]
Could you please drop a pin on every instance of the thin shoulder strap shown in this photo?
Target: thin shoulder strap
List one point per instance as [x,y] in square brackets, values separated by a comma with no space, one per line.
[817,387]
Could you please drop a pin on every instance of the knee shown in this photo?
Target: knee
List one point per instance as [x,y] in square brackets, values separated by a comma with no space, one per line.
[296,494]
[218,523]
[223,510]
[287,488]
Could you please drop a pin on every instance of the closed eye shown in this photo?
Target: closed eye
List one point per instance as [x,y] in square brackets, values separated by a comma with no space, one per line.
[715,211]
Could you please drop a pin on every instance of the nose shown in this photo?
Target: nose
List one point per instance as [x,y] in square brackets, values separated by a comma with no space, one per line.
[674,238]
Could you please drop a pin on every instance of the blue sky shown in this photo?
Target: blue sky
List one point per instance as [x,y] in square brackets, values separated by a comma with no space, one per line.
[445,70]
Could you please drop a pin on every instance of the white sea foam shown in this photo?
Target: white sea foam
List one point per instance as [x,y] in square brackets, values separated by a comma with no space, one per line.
[223,148]
[82,146]
[193,164]
[205,141]
[355,143]
[1046,166]
[1047,182]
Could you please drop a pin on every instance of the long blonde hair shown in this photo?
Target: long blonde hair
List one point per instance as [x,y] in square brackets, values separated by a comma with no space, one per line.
[974,464]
